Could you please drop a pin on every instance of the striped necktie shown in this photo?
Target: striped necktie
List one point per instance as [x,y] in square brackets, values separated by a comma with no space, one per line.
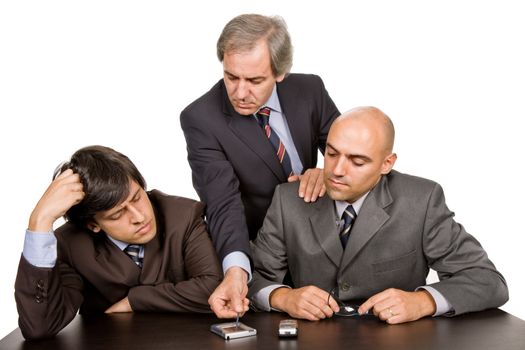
[133,251]
[263,117]
[349,216]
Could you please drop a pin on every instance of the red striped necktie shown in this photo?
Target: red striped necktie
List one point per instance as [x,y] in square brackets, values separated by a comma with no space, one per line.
[263,117]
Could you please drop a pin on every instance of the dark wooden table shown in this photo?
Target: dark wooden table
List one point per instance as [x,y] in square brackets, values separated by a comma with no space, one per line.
[493,329]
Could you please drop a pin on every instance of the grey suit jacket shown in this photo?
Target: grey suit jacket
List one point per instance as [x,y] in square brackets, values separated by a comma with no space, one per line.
[234,167]
[180,271]
[403,228]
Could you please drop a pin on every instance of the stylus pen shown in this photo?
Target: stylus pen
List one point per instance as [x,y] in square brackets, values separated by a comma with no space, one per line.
[237,322]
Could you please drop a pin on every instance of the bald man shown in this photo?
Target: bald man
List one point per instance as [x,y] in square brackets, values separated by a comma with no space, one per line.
[367,247]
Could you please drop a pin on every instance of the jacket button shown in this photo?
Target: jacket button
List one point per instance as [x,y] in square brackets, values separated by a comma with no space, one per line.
[345,287]
[39,299]
[40,284]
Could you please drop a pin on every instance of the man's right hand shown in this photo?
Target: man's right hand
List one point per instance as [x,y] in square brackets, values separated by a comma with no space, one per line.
[308,302]
[229,298]
[64,192]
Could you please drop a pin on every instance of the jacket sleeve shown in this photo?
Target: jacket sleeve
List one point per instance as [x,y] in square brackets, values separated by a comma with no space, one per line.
[468,279]
[328,114]
[201,270]
[47,299]
[217,185]
[269,250]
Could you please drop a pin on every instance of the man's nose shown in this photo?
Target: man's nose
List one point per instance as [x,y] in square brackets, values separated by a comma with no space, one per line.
[136,215]
[242,90]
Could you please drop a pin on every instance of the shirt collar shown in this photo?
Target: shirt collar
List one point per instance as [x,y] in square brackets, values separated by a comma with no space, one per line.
[340,206]
[273,101]
[121,245]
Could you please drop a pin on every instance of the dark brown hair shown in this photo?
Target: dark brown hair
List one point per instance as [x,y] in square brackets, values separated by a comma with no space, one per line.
[105,175]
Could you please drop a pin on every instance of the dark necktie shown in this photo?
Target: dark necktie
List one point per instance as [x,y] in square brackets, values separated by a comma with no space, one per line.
[133,251]
[348,218]
[263,117]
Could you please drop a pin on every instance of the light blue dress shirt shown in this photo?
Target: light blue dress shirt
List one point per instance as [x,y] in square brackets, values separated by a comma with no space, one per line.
[40,248]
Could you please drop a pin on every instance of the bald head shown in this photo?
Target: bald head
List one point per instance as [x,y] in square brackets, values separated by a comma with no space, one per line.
[358,152]
[370,119]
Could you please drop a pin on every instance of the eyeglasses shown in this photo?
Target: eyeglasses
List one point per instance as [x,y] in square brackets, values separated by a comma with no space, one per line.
[346,310]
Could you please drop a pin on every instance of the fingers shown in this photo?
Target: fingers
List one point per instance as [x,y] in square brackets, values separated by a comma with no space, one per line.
[64,192]
[294,178]
[309,303]
[221,309]
[378,303]
[311,185]
[229,298]
[332,303]
[396,306]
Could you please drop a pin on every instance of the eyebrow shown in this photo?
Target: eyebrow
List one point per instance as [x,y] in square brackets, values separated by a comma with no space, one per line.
[250,78]
[120,209]
[350,155]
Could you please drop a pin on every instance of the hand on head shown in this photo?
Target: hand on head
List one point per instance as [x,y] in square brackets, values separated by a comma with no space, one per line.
[63,193]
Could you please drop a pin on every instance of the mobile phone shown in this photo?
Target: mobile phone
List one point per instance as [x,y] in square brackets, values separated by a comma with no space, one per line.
[230,330]
[288,328]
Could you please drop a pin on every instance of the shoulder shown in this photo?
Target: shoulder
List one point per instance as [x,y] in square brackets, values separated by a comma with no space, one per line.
[210,100]
[410,185]
[170,204]
[302,79]
[287,194]
[166,201]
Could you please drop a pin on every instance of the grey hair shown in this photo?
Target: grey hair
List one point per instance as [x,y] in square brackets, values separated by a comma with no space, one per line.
[244,31]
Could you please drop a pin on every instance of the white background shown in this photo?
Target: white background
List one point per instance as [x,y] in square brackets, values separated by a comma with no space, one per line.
[449,73]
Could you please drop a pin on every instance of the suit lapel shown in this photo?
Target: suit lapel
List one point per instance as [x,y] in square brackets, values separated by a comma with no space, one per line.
[152,260]
[370,219]
[323,223]
[251,134]
[296,115]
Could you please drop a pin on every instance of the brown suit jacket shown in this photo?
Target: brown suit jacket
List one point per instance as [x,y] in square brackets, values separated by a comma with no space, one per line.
[180,271]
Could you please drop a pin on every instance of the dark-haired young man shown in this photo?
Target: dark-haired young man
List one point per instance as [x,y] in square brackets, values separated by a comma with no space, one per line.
[122,249]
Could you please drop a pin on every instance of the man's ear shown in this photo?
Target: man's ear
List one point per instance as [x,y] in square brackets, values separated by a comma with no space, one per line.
[388,163]
[93,226]
[280,78]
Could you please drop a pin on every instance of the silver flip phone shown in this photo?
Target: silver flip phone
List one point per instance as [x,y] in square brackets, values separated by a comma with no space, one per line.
[288,328]
[230,330]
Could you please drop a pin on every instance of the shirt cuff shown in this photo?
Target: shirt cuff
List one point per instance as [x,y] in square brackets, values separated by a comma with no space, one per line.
[40,248]
[237,259]
[261,299]
[442,304]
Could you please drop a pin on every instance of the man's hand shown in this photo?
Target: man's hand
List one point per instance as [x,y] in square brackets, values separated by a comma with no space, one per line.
[397,306]
[312,184]
[64,192]
[229,298]
[120,306]
[307,302]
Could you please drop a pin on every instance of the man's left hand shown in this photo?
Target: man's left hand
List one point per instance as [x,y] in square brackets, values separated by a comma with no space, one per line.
[120,306]
[397,306]
[312,184]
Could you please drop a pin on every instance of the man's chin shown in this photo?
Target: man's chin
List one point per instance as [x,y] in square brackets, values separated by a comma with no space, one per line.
[337,195]
[245,111]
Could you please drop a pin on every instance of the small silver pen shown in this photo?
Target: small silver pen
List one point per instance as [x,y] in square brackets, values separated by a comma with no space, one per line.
[237,322]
